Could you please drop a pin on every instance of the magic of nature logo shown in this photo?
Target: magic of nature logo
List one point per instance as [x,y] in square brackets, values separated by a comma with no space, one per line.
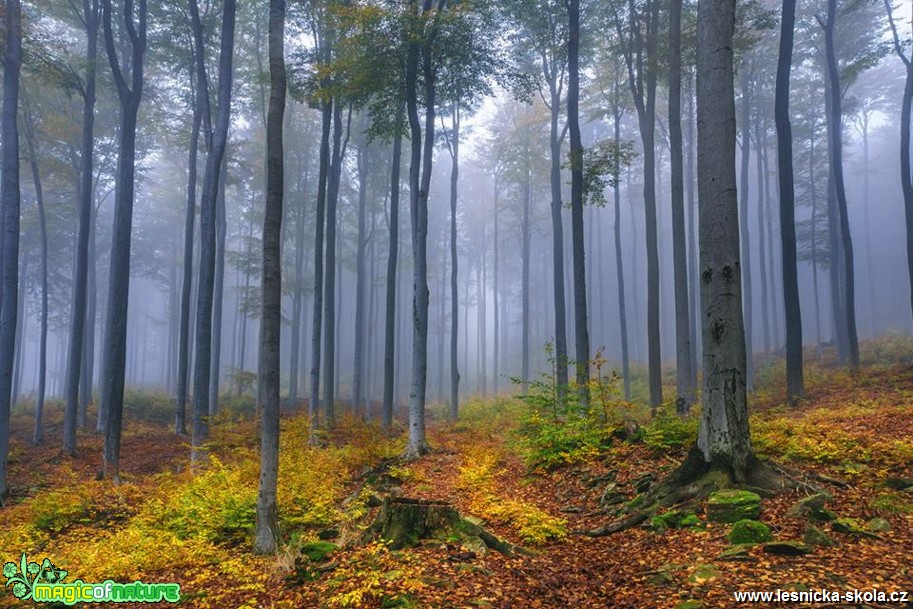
[44,583]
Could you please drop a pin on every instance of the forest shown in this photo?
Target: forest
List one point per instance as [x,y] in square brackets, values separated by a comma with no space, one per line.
[456,303]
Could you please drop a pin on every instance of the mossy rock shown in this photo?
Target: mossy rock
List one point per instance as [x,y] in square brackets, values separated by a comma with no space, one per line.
[749,531]
[690,604]
[674,519]
[704,574]
[738,553]
[899,484]
[851,526]
[733,505]
[318,551]
[878,525]
[822,515]
[807,506]
[787,548]
[816,537]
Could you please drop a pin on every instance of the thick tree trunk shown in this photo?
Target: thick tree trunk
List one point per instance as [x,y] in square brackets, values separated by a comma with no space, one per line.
[115,345]
[91,16]
[683,368]
[266,536]
[795,384]
[10,198]
[723,437]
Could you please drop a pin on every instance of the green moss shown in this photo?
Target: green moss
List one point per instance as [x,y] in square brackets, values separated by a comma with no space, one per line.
[733,505]
[749,531]
[318,551]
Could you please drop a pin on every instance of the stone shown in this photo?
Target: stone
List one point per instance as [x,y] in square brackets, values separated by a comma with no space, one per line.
[737,553]
[899,484]
[809,505]
[816,537]
[690,604]
[749,531]
[703,574]
[674,519]
[328,534]
[878,525]
[733,505]
[787,548]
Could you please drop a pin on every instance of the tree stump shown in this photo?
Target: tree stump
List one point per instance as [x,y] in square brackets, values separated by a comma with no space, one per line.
[404,521]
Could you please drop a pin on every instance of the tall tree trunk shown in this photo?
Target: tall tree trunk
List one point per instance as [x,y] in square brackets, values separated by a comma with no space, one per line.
[32,144]
[906,163]
[683,362]
[215,373]
[795,383]
[762,260]
[835,126]
[90,17]
[526,194]
[361,271]
[317,316]
[87,373]
[21,319]
[202,367]
[576,153]
[180,416]
[693,283]
[329,308]
[561,359]
[619,258]
[743,218]
[115,345]
[454,295]
[266,536]
[496,359]
[392,260]
[723,437]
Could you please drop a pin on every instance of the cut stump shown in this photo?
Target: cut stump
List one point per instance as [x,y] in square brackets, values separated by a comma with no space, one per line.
[404,521]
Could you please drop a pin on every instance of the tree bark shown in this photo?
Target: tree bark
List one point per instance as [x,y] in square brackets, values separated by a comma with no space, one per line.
[581,329]
[723,437]
[392,260]
[835,126]
[795,383]
[454,295]
[266,535]
[361,271]
[91,16]
[115,345]
[10,198]
[683,366]
[743,217]
[208,203]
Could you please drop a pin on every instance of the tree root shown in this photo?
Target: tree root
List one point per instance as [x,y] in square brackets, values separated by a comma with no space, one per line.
[695,479]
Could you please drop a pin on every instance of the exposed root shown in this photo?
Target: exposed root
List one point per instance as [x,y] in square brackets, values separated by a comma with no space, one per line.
[695,479]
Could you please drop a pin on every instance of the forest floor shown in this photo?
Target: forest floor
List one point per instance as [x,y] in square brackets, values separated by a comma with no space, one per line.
[530,480]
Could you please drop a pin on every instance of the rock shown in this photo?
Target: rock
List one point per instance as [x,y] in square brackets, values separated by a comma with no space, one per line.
[737,553]
[374,500]
[878,525]
[690,604]
[787,548]
[749,531]
[899,484]
[816,537]
[328,534]
[674,519]
[396,491]
[475,545]
[318,551]
[611,495]
[822,515]
[809,505]
[643,483]
[733,505]
[704,574]
[851,526]
[661,577]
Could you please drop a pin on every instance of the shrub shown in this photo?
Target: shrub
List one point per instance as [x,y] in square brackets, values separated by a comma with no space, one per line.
[669,430]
